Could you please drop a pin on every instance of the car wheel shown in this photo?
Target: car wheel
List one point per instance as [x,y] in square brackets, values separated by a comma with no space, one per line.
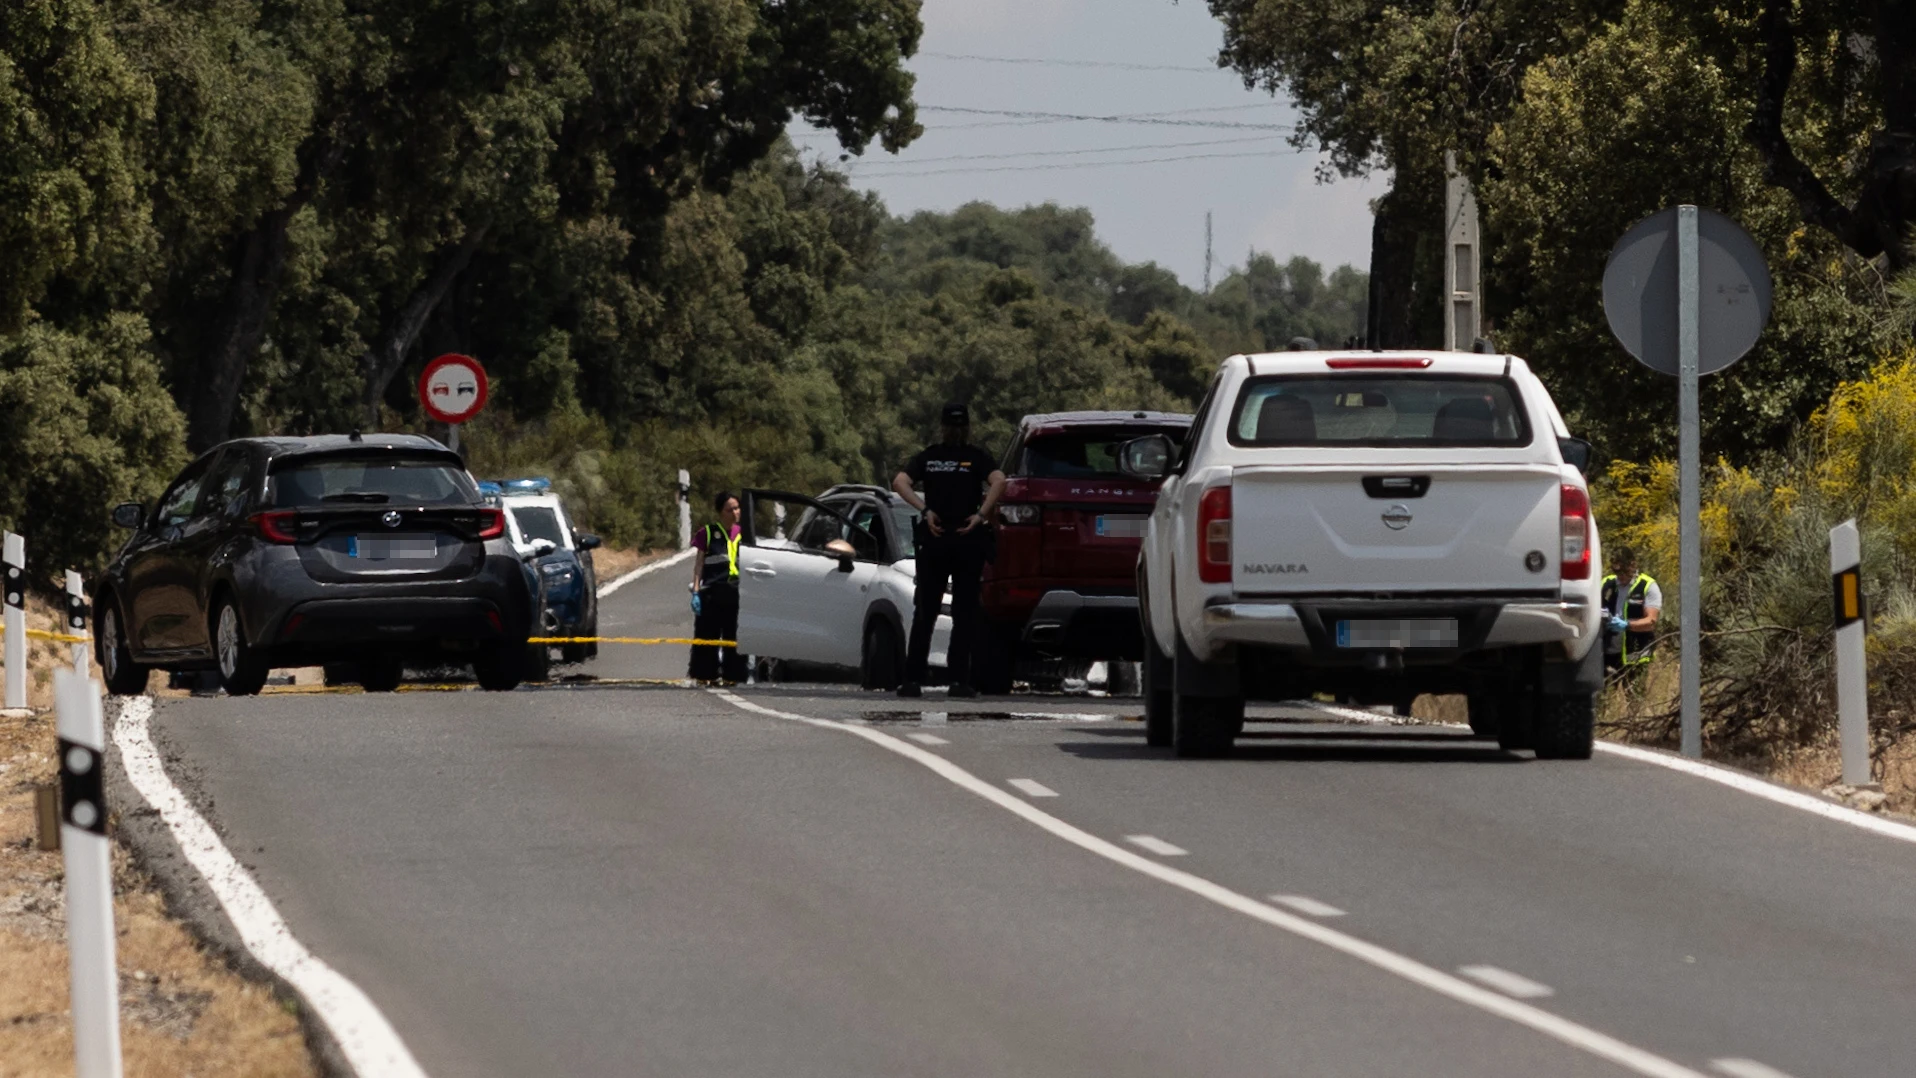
[880,661]
[500,667]
[991,661]
[1566,727]
[1482,707]
[124,677]
[1205,726]
[1516,711]
[242,668]
[573,653]
[381,675]
[538,662]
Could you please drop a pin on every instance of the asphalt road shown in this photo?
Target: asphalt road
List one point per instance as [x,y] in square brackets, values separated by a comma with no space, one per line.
[646,880]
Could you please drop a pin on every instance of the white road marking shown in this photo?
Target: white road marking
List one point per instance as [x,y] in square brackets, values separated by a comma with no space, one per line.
[1601,1045]
[1154,844]
[1745,1068]
[648,567]
[1735,780]
[934,718]
[1510,984]
[370,1044]
[1030,788]
[1310,907]
[928,739]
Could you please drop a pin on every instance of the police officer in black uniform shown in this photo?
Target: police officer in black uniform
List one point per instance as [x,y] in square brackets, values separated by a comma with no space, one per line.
[962,485]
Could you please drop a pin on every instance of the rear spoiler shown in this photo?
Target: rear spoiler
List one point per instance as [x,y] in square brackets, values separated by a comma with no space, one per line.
[367,452]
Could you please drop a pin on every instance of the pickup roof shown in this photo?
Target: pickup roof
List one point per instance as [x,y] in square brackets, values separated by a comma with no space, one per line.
[1374,526]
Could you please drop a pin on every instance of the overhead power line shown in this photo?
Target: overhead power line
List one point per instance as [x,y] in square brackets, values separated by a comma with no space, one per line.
[1178,118]
[1239,141]
[903,175]
[1038,61]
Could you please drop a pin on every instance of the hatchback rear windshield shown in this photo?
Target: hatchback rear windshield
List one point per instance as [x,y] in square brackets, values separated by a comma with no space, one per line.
[1083,452]
[1379,410]
[371,481]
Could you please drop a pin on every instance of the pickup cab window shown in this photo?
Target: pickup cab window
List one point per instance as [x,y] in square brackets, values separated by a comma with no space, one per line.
[1379,411]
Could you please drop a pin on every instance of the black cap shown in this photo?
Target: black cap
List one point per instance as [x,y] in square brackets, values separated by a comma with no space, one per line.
[955,415]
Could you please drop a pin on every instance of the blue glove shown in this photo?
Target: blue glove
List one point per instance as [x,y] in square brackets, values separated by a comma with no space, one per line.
[695,605]
[1617,624]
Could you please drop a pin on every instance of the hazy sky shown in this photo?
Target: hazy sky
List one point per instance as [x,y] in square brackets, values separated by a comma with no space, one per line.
[1261,193]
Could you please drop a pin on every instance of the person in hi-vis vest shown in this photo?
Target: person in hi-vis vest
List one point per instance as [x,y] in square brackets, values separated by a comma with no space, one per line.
[1632,602]
[715,596]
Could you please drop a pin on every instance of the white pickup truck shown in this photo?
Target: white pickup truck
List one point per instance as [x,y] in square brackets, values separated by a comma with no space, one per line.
[1374,526]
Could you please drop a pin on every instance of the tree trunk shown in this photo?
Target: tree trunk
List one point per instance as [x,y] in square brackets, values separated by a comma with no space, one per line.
[249,302]
[384,360]
[1392,319]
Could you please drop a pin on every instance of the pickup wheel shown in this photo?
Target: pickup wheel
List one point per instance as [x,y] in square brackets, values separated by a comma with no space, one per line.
[1566,727]
[1516,719]
[991,661]
[1157,695]
[1205,726]
[1483,713]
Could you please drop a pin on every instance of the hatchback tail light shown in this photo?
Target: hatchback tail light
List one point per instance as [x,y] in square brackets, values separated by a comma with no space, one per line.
[492,523]
[1018,514]
[1214,536]
[1575,513]
[276,526]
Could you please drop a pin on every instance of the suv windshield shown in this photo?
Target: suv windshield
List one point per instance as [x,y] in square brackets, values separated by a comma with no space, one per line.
[1379,410]
[538,522]
[375,481]
[1083,452]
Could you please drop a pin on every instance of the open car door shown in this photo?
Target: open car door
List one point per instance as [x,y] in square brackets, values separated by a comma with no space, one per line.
[805,574]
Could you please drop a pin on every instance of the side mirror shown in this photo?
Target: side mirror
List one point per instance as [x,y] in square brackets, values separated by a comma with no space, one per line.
[1576,453]
[844,552]
[542,547]
[129,514]
[1148,457]
[588,541]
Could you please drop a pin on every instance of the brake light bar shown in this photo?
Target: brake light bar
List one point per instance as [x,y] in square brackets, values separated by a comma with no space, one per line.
[1378,363]
[492,523]
[276,526]
[1575,514]
[1214,536]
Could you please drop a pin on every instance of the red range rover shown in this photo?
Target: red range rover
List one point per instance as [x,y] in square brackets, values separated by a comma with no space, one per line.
[1062,592]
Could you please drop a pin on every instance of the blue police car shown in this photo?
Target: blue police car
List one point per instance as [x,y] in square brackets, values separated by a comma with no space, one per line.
[542,532]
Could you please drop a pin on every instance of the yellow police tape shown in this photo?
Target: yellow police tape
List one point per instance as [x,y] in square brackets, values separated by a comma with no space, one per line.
[630,640]
[43,634]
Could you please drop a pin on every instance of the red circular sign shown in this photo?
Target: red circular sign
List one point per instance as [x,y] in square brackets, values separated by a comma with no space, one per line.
[452,388]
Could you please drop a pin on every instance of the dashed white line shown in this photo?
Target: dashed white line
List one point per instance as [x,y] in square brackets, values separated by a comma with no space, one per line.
[1307,906]
[1563,1030]
[928,739]
[1030,788]
[367,1040]
[1745,1068]
[1154,844]
[1515,985]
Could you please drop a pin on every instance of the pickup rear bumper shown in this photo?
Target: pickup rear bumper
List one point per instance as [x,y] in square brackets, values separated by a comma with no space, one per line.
[1310,625]
[1071,623]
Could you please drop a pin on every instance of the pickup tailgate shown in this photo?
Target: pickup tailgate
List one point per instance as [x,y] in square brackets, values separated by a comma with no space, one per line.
[1457,528]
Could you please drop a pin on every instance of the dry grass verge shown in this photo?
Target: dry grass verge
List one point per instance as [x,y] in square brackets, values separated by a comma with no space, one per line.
[182,1011]
[612,564]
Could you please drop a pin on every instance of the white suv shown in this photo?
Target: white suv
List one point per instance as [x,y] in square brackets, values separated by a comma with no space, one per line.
[1373,526]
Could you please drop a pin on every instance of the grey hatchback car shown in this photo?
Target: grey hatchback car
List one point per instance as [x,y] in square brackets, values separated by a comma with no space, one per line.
[277,552]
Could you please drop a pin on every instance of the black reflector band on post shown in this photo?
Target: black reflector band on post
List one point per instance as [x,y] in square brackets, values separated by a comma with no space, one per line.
[1846,589]
[76,614]
[82,787]
[16,587]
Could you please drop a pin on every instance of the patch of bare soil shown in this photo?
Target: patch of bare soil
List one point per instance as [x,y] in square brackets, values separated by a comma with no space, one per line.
[182,1011]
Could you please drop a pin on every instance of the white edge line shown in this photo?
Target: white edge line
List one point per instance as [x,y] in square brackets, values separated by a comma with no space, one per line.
[1723,776]
[1154,844]
[1510,984]
[1746,1068]
[648,567]
[1550,1025]
[1307,905]
[928,739]
[1031,787]
[367,1040]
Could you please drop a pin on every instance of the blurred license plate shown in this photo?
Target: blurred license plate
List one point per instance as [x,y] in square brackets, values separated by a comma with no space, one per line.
[1121,527]
[383,548]
[1408,633]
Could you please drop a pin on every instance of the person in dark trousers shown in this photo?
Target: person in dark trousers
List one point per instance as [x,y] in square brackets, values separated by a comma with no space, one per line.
[962,485]
[715,596]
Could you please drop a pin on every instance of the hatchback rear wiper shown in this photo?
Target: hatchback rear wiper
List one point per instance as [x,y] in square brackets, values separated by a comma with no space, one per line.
[367,496]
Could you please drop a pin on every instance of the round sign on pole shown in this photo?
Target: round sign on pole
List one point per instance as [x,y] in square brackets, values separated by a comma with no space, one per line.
[452,388]
[1640,291]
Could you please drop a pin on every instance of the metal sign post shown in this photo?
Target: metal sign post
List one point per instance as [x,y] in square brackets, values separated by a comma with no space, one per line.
[1687,293]
[1852,675]
[453,389]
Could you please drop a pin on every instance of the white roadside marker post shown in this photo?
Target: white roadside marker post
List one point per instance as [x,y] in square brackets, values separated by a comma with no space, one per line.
[14,587]
[89,877]
[685,509]
[1852,675]
[76,621]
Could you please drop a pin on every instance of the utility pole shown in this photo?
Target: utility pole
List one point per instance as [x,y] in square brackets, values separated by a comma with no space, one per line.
[1463,321]
[1207,252]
